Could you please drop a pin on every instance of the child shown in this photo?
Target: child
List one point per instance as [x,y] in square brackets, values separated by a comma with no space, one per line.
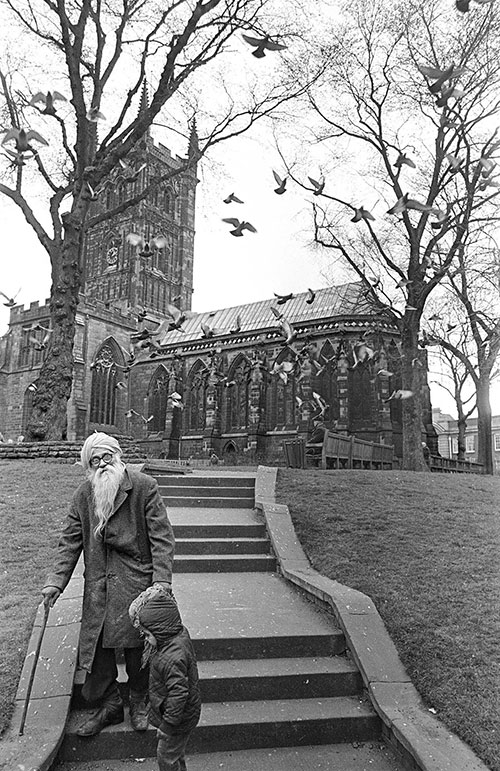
[174,693]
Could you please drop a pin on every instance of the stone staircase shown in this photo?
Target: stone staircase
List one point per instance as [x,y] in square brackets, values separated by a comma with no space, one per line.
[273,667]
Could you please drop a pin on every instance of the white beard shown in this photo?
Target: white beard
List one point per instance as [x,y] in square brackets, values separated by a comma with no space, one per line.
[105,483]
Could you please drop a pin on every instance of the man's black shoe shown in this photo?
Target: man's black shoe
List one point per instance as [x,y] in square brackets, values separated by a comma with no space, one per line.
[107,715]
[139,713]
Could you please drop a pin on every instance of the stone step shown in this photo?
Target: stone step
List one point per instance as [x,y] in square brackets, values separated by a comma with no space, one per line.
[309,644]
[345,756]
[223,530]
[237,725]
[205,491]
[285,678]
[224,563]
[262,679]
[221,545]
[247,483]
[219,502]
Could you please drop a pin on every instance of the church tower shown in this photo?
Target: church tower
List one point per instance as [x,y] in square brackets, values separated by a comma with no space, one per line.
[142,258]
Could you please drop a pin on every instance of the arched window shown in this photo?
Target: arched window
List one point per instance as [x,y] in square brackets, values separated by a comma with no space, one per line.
[361,393]
[282,396]
[238,394]
[27,407]
[325,380]
[157,399]
[195,406]
[104,380]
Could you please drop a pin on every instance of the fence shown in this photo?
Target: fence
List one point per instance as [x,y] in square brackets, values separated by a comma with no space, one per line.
[454,466]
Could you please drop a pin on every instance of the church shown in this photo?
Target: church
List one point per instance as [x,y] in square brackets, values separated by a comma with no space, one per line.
[235,382]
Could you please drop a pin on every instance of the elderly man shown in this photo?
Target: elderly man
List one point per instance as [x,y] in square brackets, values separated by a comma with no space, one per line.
[119,520]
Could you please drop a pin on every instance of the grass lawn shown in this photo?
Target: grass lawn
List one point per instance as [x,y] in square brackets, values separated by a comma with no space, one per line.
[426,549]
[34,498]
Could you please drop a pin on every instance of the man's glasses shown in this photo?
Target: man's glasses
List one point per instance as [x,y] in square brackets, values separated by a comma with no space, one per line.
[96,459]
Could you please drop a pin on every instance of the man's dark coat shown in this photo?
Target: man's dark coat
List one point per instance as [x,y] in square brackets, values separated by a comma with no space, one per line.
[137,549]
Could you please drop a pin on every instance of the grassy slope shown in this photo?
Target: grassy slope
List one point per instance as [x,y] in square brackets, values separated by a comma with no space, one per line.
[34,498]
[425,548]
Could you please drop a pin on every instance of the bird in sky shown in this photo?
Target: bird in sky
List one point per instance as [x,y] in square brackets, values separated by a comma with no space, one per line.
[128,174]
[454,161]
[146,246]
[207,330]
[94,115]
[385,373]
[287,331]
[280,182]
[141,314]
[362,353]
[405,203]
[463,5]
[144,334]
[47,100]
[276,312]
[176,400]
[120,385]
[321,404]
[403,160]
[22,139]
[398,395]
[236,327]
[362,214]
[281,299]
[319,186]
[232,198]
[262,44]
[439,76]
[239,226]
[403,282]
[283,369]
[310,297]
[40,345]
[11,301]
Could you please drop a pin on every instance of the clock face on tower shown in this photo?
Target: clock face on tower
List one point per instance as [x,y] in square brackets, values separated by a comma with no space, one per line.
[112,255]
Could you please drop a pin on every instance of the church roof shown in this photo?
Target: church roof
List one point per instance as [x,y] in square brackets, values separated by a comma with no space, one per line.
[333,301]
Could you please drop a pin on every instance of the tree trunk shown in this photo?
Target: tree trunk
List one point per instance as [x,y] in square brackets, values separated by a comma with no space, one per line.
[412,378]
[48,418]
[484,433]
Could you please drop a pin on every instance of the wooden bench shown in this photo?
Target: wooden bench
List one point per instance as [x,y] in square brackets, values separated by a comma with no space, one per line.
[454,465]
[341,451]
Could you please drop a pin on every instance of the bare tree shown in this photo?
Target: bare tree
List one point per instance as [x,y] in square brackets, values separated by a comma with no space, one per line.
[407,113]
[102,52]
[475,283]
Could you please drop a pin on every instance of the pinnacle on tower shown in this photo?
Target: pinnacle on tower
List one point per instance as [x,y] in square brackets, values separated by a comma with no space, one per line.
[193,147]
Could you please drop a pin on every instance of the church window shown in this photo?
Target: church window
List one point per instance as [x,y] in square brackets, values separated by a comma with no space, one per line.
[32,346]
[238,395]
[361,395]
[104,380]
[157,399]
[195,407]
[325,380]
[27,408]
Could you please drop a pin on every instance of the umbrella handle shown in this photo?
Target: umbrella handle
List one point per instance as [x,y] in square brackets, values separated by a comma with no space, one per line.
[33,668]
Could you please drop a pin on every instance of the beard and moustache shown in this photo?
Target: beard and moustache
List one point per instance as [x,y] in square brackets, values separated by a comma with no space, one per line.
[105,483]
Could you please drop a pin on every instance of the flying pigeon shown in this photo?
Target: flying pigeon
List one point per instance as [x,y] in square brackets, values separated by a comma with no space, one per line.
[362,214]
[403,160]
[47,100]
[176,400]
[22,139]
[280,182]
[146,246]
[283,298]
[236,326]
[276,312]
[318,186]
[128,173]
[94,115]
[287,331]
[399,394]
[262,44]
[11,301]
[238,226]
[232,198]
[311,296]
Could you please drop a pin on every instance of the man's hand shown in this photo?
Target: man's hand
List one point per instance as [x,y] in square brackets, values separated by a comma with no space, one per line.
[50,595]
[165,585]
